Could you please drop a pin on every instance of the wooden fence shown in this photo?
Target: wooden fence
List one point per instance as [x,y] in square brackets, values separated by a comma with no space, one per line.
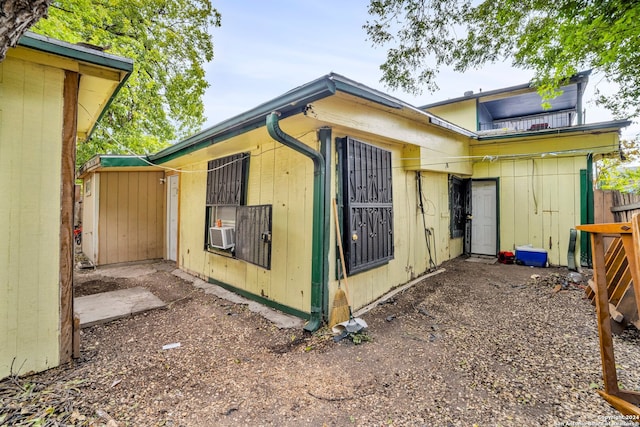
[614,206]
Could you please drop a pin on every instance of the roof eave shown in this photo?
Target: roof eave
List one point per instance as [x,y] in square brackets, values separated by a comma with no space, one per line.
[110,161]
[292,102]
[75,52]
[580,77]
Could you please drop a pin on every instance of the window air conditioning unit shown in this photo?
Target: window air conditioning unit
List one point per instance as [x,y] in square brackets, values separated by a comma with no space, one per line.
[222,237]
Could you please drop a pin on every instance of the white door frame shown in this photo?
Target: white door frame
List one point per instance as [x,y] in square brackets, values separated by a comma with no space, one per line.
[172,183]
[476,216]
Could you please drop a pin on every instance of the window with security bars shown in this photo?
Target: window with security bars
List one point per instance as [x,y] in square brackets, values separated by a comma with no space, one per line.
[367,205]
[231,227]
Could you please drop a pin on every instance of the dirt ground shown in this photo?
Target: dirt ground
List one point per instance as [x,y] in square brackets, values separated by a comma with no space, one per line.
[485,345]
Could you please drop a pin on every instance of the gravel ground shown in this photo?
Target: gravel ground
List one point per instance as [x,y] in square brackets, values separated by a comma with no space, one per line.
[484,345]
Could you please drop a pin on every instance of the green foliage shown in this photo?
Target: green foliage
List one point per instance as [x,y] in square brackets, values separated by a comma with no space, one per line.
[554,38]
[168,41]
[621,175]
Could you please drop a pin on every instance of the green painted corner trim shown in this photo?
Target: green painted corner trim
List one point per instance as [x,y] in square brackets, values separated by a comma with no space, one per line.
[320,221]
[586,204]
[260,299]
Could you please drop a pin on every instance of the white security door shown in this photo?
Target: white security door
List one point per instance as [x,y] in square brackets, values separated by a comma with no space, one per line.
[484,225]
[172,217]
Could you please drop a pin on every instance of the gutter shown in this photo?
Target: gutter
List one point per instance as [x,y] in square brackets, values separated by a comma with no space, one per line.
[319,256]
[292,102]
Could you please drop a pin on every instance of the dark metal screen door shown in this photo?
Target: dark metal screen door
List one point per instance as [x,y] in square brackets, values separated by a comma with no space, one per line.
[368,205]
[468,207]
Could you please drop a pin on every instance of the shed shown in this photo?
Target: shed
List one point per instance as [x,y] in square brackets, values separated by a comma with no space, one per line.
[122,196]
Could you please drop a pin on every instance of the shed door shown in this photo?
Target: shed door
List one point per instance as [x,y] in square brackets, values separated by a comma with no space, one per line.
[484,228]
[172,217]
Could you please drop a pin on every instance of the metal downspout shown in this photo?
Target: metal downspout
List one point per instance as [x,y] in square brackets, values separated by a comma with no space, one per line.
[318,255]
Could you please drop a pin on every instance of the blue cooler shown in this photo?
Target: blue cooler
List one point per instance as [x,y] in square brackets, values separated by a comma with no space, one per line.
[534,257]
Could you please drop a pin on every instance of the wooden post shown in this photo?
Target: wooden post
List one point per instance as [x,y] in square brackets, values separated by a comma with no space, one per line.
[629,233]
[609,374]
[67,190]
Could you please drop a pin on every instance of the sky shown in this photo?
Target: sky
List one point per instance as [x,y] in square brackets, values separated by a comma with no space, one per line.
[266,48]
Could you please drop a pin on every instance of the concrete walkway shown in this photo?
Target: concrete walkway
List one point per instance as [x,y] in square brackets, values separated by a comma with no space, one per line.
[107,306]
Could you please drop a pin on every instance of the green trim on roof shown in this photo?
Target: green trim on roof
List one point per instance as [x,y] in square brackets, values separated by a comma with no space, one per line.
[76,52]
[82,54]
[112,161]
[364,92]
[292,102]
[122,161]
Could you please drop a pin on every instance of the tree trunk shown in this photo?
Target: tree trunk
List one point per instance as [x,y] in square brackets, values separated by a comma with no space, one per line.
[16,16]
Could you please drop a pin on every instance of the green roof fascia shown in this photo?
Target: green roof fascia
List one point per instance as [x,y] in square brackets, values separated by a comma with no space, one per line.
[112,161]
[108,103]
[615,124]
[353,88]
[123,161]
[292,102]
[76,52]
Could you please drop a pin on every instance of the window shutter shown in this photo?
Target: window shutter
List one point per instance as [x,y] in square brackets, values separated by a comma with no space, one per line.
[253,235]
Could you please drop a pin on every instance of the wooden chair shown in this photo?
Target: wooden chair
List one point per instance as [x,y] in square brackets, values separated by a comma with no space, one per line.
[626,402]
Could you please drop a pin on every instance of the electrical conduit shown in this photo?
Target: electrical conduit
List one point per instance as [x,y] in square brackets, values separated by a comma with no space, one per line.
[318,256]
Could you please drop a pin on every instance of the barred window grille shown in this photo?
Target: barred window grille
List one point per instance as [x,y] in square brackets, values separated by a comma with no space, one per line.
[226,207]
[368,205]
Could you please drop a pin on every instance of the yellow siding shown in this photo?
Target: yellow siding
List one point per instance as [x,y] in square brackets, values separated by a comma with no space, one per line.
[131,211]
[30,147]
[284,178]
[461,113]
[427,147]
[278,176]
[539,202]
[539,194]
[411,258]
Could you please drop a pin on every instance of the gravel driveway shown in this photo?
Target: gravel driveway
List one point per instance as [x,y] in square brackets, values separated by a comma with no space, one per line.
[484,345]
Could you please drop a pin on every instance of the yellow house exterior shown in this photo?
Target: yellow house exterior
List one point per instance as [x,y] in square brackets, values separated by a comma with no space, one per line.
[255,193]
[301,277]
[543,183]
[539,160]
[42,84]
